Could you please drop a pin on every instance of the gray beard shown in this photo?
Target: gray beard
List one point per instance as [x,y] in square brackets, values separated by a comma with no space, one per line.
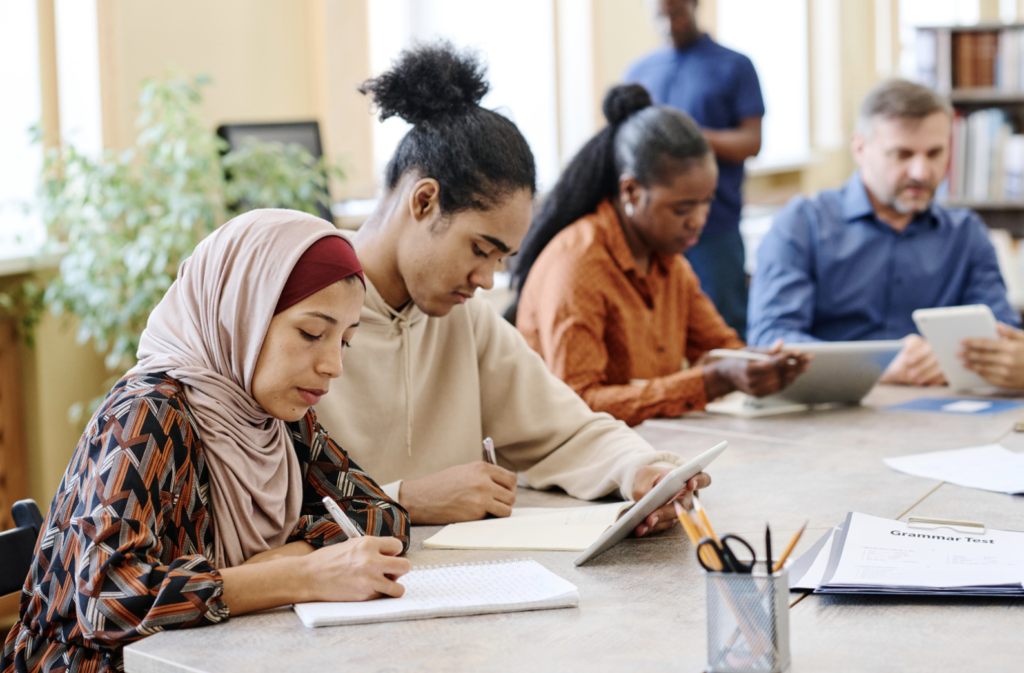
[898,206]
[903,209]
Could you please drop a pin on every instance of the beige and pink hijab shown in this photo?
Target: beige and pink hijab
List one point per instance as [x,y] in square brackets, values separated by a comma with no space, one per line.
[207,333]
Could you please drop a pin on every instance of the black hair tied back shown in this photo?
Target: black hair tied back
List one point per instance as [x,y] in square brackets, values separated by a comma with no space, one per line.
[623,101]
[590,177]
[428,82]
[477,156]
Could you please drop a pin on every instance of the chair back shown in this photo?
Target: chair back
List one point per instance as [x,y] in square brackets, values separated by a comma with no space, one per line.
[17,546]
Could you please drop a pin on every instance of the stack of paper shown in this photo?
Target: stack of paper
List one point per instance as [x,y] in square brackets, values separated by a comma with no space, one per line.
[535,528]
[992,467]
[870,555]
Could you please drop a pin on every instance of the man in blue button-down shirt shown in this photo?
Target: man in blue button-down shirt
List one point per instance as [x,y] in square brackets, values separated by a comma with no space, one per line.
[855,262]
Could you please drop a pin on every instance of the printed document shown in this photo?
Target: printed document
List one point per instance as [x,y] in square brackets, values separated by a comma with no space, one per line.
[879,553]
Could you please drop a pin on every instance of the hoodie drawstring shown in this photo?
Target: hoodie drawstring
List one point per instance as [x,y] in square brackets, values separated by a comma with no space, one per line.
[406,347]
[402,326]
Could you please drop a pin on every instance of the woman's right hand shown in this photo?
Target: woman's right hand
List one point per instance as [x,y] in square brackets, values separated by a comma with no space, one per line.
[359,569]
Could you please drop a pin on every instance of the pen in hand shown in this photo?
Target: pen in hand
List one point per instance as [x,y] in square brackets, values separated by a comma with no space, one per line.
[339,516]
[492,458]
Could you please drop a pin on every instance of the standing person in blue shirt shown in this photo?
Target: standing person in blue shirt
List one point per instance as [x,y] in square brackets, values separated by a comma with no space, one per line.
[718,87]
[853,263]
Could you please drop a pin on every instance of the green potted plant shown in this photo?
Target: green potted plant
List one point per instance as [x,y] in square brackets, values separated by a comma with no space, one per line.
[129,219]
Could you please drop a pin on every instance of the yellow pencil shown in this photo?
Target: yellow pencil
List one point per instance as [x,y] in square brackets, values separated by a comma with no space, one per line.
[745,624]
[789,548]
[704,518]
[694,534]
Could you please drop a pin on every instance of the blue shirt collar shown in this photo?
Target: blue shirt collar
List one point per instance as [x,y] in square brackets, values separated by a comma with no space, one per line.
[699,42]
[857,205]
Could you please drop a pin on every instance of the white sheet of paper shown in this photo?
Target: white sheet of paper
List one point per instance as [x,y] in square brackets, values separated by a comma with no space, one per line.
[992,467]
[967,406]
[812,578]
[539,528]
[883,552]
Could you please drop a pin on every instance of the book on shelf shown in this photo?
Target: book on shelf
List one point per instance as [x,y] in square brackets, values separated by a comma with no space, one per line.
[948,59]
[986,158]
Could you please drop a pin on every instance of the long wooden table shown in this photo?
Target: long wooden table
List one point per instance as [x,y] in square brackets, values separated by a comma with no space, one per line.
[642,603]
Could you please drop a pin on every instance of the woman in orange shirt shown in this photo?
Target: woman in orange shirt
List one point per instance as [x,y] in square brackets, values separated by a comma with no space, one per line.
[606,296]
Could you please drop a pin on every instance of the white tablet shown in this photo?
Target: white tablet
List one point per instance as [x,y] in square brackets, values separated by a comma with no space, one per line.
[673,482]
[945,328]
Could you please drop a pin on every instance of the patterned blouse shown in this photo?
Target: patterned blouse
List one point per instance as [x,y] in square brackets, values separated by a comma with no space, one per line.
[125,548]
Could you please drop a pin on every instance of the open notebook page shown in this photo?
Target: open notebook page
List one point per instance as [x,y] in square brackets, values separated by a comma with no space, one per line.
[452,590]
[532,528]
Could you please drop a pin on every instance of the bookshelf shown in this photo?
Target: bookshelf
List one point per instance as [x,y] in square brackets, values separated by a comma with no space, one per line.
[981,69]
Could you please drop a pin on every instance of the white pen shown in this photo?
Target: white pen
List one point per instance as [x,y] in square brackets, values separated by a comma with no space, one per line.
[739,355]
[347,526]
[492,458]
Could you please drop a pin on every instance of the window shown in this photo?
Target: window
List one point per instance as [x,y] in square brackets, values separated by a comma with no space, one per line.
[774,36]
[21,232]
[78,75]
[516,41]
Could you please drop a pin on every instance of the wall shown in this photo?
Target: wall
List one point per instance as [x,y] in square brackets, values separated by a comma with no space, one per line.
[270,60]
[623,32]
[257,52]
[57,373]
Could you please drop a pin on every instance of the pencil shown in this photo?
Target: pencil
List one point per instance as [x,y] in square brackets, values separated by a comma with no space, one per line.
[694,535]
[704,519]
[743,620]
[789,548]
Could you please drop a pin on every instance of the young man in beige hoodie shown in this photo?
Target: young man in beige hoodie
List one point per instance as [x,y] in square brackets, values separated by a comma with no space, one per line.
[433,370]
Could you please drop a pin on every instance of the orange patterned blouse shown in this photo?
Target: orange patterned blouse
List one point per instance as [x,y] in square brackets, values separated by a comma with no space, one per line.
[125,548]
[618,337]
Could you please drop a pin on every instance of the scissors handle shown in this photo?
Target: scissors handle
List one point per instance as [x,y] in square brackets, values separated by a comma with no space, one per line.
[724,555]
[738,565]
[713,555]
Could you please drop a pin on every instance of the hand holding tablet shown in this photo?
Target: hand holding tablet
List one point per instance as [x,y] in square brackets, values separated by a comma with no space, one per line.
[946,328]
[662,494]
[999,361]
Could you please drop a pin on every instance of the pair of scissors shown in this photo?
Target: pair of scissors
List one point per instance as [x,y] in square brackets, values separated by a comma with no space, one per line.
[727,558]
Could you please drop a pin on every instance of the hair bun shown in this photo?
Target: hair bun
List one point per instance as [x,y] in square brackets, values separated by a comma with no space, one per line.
[428,81]
[623,100]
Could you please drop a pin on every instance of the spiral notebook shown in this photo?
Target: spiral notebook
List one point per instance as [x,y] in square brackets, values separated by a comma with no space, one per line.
[454,590]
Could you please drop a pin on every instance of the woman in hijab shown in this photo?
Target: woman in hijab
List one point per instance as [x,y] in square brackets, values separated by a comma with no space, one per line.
[196,491]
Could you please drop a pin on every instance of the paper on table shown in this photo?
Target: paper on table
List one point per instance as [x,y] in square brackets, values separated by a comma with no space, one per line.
[451,590]
[880,552]
[539,528]
[808,570]
[991,467]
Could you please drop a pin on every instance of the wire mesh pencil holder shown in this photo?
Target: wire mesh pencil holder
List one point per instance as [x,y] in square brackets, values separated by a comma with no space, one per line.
[748,621]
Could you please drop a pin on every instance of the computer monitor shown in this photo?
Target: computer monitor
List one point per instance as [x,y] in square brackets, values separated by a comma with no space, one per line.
[306,134]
